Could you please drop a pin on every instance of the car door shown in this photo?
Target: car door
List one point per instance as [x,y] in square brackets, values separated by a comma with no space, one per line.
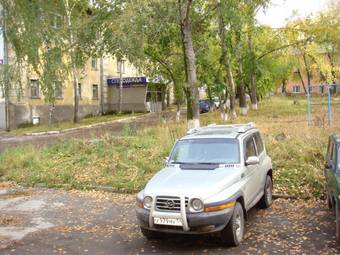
[330,168]
[250,172]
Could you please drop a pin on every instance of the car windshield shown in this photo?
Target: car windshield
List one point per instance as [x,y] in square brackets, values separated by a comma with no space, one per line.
[206,151]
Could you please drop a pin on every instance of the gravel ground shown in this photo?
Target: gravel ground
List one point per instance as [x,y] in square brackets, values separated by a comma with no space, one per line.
[46,221]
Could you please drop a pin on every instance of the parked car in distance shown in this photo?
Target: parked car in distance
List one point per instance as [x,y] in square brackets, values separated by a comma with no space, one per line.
[332,176]
[212,177]
[204,106]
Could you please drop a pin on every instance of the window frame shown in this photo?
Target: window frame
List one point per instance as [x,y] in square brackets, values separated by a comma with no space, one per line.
[36,96]
[61,96]
[295,90]
[94,61]
[93,96]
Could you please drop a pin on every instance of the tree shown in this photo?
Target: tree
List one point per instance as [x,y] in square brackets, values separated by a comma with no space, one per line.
[190,62]
[55,38]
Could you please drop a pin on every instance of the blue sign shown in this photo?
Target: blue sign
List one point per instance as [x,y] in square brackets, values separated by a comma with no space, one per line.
[128,82]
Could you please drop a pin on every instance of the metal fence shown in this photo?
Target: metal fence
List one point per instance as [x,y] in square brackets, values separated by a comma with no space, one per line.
[327,89]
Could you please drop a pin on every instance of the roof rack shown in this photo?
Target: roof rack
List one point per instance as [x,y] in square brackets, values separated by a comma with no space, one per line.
[240,128]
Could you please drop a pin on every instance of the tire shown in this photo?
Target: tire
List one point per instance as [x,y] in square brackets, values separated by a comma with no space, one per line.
[267,198]
[149,234]
[232,234]
[329,200]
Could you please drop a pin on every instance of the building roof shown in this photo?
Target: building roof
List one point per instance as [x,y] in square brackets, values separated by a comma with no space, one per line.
[219,131]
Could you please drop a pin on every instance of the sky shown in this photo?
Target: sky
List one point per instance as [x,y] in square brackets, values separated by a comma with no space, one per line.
[281,10]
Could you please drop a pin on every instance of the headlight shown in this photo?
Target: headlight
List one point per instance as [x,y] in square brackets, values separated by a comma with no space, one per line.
[197,204]
[147,202]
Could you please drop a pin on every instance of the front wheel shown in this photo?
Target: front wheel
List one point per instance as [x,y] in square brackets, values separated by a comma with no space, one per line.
[232,234]
[329,200]
[267,198]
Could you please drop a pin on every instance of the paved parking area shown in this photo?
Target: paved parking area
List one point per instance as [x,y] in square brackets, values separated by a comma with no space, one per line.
[46,221]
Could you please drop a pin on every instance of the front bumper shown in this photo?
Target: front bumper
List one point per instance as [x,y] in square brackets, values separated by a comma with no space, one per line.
[198,223]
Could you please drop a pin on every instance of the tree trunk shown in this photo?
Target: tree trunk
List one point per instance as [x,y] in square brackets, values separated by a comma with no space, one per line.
[308,72]
[284,86]
[50,114]
[225,61]
[253,97]
[163,92]
[73,60]
[241,91]
[302,81]
[223,107]
[178,111]
[189,53]
[168,97]
[101,67]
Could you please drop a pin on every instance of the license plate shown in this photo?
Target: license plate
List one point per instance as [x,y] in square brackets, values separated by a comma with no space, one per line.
[167,221]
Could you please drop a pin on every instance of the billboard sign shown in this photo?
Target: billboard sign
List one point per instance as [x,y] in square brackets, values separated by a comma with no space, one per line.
[128,82]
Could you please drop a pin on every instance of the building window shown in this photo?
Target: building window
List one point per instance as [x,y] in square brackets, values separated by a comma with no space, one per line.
[79,90]
[94,91]
[35,90]
[94,64]
[56,21]
[296,89]
[58,90]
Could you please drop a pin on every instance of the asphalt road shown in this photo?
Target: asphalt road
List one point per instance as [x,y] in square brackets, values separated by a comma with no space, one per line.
[46,221]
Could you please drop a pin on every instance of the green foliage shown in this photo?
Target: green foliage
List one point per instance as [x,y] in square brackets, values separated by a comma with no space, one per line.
[127,162]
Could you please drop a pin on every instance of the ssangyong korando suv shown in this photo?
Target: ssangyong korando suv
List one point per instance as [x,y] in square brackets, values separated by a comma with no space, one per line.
[212,177]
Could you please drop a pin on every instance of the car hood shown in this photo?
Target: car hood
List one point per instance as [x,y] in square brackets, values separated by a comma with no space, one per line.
[174,181]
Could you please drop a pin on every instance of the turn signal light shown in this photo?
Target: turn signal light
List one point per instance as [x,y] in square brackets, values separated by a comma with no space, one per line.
[220,207]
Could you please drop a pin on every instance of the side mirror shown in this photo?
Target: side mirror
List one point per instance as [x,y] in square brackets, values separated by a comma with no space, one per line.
[253,160]
[327,166]
[166,160]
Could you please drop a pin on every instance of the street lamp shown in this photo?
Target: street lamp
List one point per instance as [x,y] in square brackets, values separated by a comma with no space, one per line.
[120,64]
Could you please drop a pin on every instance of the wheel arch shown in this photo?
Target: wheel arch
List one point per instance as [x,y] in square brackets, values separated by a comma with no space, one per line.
[240,199]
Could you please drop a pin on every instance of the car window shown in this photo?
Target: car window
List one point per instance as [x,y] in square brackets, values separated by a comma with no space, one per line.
[250,148]
[259,143]
[208,150]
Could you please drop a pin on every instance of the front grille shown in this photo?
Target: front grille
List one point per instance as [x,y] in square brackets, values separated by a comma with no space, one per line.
[170,204]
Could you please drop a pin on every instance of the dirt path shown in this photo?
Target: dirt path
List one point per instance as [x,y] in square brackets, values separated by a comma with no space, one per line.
[7,141]
[44,221]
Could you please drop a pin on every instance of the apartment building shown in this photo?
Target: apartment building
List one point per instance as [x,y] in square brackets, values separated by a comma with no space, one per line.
[27,104]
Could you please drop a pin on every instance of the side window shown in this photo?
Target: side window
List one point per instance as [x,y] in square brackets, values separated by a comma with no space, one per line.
[333,155]
[259,143]
[250,148]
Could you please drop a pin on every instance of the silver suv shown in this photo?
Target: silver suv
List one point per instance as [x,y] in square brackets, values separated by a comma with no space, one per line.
[213,176]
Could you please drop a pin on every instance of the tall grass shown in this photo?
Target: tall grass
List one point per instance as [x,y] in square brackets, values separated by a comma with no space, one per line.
[128,161]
